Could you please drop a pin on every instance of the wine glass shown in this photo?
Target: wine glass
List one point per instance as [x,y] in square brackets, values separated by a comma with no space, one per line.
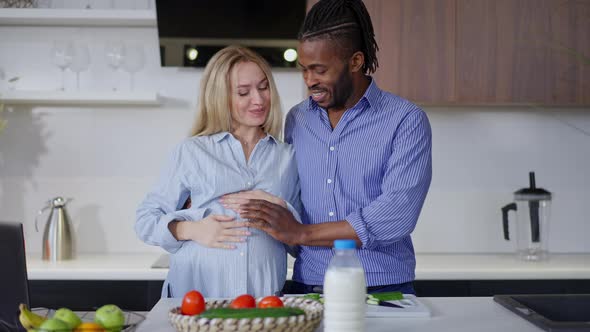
[134,60]
[114,55]
[63,54]
[80,61]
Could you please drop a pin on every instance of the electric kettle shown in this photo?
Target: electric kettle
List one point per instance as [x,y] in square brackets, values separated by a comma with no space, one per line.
[58,242]
[532,208]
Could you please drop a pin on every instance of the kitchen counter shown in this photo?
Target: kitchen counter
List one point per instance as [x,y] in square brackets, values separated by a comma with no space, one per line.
[500,267]
[456,314]
[96,267]
[428,267]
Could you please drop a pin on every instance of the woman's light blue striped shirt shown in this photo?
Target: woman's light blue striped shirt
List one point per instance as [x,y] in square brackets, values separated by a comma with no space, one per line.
[207,167]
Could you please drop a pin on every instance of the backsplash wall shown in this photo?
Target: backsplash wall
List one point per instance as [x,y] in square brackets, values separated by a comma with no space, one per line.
[107,158]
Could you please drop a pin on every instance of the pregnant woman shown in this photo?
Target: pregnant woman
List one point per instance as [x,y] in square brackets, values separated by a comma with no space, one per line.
[234,147]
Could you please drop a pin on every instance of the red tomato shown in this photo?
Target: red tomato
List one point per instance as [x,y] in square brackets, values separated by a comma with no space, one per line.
[243,301]
[270,302]
[193,303]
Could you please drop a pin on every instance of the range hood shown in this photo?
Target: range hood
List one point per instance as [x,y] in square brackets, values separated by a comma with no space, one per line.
[205,26]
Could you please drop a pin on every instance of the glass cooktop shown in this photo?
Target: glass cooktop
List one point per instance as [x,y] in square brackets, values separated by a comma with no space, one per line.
[555,312]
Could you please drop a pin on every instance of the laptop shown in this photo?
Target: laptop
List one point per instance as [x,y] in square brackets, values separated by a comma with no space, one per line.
[14,284]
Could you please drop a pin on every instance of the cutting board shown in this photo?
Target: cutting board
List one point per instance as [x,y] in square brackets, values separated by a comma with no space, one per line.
[412,308]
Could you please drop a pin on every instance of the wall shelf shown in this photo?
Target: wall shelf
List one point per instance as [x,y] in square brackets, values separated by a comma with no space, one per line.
[77,17]
[80,98]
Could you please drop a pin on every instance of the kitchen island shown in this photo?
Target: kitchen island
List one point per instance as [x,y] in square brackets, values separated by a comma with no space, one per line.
[455,314]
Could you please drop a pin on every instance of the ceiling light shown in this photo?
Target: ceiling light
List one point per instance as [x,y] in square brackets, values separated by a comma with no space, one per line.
[290,55]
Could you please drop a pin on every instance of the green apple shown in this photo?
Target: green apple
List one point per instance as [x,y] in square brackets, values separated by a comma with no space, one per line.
[68,316]
[111,317]
[54,325]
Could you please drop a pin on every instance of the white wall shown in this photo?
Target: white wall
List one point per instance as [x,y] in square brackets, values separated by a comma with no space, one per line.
[482,155]
[106,158]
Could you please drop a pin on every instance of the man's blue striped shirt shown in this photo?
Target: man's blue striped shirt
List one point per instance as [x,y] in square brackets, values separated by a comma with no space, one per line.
[373,170]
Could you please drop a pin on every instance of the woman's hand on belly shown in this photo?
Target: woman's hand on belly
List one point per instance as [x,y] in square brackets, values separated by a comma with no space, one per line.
[235,200]
[214,231]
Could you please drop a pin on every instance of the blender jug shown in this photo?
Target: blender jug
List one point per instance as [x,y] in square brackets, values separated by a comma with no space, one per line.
[532,208]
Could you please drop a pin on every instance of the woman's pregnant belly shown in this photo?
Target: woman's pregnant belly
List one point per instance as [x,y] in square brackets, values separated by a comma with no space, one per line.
[256,266]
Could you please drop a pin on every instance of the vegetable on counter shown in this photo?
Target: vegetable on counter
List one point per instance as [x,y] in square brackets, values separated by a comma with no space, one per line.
[314,296]
[251,312]
[193,303]
[243,301]
[386,296]
[382,298]
[270,302]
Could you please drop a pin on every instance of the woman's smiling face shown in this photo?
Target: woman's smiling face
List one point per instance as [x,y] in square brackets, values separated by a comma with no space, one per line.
[250,95]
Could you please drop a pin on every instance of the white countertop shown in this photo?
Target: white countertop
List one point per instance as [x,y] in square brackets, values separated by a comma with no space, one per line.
[428,267]
[455,314]
[500,267]
[96,267]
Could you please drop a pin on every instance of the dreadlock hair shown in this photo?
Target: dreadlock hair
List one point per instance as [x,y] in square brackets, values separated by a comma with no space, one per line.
[346,22]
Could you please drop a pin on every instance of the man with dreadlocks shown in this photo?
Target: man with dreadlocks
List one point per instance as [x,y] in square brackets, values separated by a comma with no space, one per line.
[363,156]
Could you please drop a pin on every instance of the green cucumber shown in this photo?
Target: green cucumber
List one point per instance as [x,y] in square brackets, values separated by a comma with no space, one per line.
[386,296]
[251,312]
[373,301]
[312,296]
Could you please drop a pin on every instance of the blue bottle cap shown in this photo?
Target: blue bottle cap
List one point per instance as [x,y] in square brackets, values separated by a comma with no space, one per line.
[344,244]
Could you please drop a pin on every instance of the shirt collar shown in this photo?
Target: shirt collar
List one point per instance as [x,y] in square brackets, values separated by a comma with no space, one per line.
[370,96]
[372,93]
[222,135]
[271,138]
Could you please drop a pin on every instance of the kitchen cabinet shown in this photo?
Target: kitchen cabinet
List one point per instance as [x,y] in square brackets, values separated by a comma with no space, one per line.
[417,54]
[484,52]
[452,288]
[522,51]
[85,295]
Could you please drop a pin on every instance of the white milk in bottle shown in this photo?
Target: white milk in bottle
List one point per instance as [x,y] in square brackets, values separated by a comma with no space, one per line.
[344,290]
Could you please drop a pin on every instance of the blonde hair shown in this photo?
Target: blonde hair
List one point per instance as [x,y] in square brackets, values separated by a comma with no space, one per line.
[214,110]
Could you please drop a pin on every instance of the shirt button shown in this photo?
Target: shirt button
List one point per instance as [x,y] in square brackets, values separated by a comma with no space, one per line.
[249,183]
[331,214]
[242,253]
[329,180]
[331,148]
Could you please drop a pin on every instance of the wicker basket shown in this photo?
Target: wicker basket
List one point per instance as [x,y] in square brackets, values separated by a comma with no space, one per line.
[16,3]
[304,323]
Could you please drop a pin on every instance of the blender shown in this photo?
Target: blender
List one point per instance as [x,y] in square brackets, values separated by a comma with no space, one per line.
[532,209]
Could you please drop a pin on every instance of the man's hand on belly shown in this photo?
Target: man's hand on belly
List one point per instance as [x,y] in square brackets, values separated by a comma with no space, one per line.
[273,219]
[234,201]
[279,223]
